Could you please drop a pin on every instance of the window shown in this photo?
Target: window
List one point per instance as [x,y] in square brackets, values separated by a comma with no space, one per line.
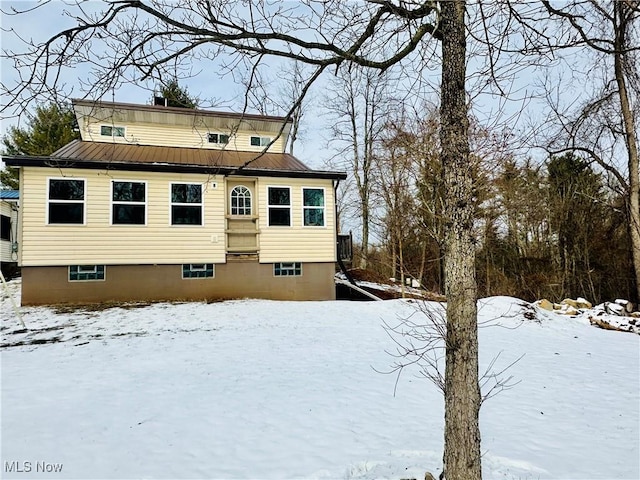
[198,270]
[292,269]
[83,273]
[5,227]
[279,206]
[218,138]
[109,131]
[260,141]
[128,205]
[240,200]
[313,207]
[186,204]
[66,201]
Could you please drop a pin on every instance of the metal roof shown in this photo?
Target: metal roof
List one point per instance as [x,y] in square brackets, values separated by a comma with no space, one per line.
[116,156]
[9,195]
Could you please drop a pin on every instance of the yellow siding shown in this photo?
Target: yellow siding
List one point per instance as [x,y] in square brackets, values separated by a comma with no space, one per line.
[99,242]
[297,243]
[177,136]
[158,242]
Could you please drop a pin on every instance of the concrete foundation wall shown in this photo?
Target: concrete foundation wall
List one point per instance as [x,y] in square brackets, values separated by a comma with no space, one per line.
[129,283]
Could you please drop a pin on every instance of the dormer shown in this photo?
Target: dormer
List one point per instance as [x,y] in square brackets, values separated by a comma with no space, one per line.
[159,125]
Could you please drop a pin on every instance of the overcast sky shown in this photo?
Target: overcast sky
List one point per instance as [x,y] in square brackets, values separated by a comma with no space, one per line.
[50,18]
[215,93]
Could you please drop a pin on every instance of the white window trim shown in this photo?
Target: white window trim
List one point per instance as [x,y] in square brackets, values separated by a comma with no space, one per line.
[293,268]
[219,142]
[240,215]
[280,206]
[124,129]
[84,201]
[191,269]
[324,207]
[262,141]
[201,205]
[146,201]
[90,280]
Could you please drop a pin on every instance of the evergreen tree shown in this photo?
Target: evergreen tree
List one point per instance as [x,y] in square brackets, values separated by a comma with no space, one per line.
[50,128]
[177,96]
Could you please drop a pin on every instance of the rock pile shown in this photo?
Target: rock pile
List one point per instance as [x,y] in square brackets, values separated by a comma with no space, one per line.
[621,315]
[567,307]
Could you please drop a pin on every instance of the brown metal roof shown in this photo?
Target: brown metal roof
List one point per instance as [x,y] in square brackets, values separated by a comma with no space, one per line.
[103,152]
[102,155]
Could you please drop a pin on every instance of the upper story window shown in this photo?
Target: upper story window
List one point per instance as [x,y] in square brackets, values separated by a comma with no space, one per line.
[128,203]
[186,204]
[66,201]
[260,141]
[240,200]
[218,138]
[111,131]
[313,207]
[279,206]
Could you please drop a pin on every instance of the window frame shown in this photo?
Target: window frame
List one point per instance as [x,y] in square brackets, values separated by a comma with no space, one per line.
[5,228]
[83,201]
[172,204]
[219,138]
[295,267]
[290,207]
[114,129]
[313,207]
[206,268]
[262,141]
[241,215]
[120,202]
[102,271]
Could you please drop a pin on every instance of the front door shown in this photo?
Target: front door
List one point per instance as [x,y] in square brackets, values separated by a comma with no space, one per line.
[242,231]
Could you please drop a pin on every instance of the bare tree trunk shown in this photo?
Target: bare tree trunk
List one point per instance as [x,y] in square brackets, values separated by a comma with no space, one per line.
[462,391]
[402,279]
[631,141]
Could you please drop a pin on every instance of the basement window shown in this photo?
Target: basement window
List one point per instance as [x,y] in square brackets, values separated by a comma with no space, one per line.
[287,269]
[85,273]
[260,141]
[111,131]
[218,138]
[198,270]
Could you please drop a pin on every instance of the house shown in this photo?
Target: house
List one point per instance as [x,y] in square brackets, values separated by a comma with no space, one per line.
[9,232]
[164,203]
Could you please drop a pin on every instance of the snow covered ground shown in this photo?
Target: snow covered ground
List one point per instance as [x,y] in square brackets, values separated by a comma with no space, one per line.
[264,389]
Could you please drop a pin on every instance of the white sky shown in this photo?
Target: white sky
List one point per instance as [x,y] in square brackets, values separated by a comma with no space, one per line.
[312,149]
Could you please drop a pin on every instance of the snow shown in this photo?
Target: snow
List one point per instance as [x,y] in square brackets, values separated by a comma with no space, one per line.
[266,389]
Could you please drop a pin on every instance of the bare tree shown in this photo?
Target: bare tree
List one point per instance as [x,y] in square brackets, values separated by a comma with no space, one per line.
[606,34]
[359,103]
[132,40]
